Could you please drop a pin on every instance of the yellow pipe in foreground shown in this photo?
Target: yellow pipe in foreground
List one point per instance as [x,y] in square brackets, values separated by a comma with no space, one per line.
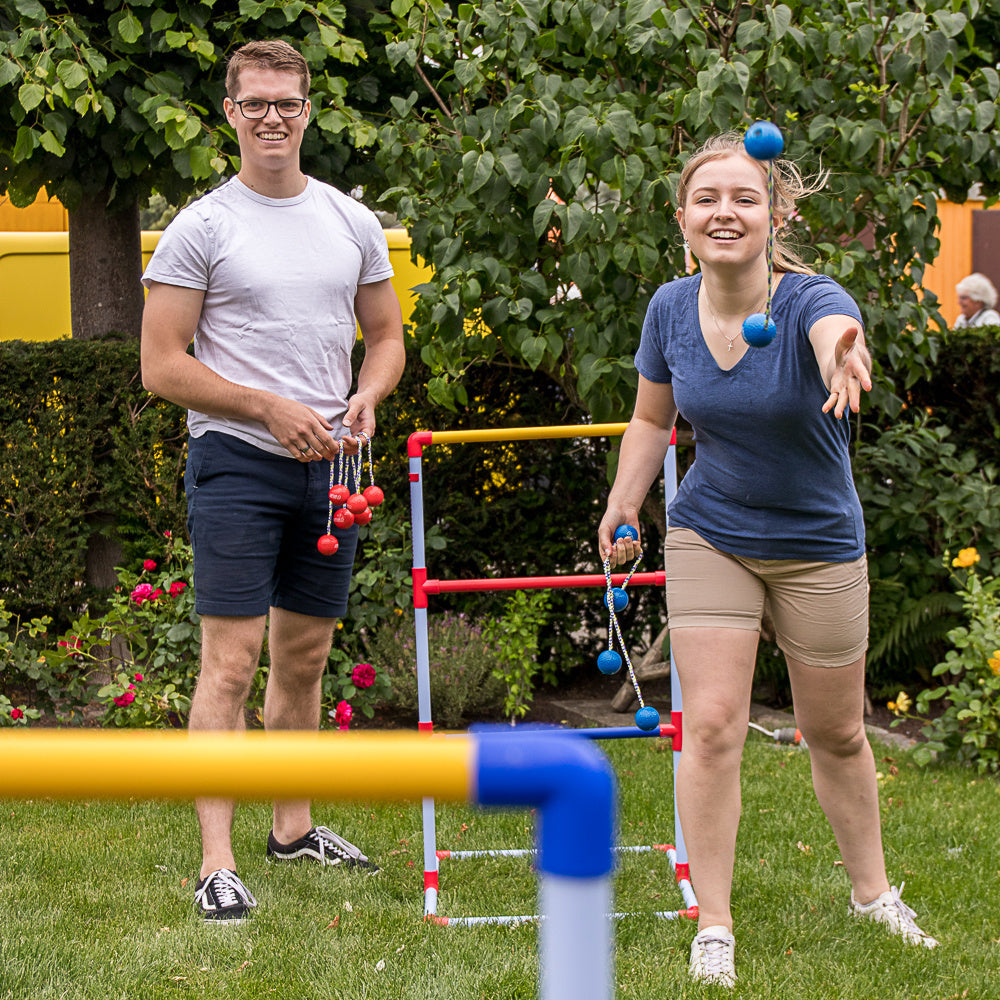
[527,433]
[276,765]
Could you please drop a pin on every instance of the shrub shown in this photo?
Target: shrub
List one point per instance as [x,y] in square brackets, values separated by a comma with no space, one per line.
[514,636]
[463,687]
[969,728]
[90,460]
[144,651]
[922,496]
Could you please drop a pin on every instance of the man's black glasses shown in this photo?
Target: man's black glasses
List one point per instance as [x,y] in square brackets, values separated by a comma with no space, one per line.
[288,107]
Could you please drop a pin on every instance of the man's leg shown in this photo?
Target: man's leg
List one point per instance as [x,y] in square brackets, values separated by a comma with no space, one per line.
[230,652]
[299,647]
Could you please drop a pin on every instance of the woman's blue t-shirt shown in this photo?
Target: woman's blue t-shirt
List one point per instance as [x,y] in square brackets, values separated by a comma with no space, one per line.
[772,474]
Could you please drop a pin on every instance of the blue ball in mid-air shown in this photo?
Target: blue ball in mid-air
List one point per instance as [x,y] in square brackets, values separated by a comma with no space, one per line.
[609,662]
[763,141]
[647,718]
[758,330]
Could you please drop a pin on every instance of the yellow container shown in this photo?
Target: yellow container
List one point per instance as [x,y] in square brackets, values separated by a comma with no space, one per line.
[34,281]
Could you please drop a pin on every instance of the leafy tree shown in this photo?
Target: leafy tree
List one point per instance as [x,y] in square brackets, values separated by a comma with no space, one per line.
[105,102]
[538,180]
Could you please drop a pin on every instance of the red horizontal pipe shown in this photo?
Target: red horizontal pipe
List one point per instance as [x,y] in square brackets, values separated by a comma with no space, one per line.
[656,579]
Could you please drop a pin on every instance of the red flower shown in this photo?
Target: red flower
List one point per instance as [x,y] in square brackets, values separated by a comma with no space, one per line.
[71,645]
[343,715]
[16,713]
[177,587]
[149,565]
[168,533]
[142,593]
[363,676]
[138,677]
[125,699]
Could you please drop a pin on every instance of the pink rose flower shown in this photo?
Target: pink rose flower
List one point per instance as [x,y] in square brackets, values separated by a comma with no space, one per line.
[72,645]
[343,715]
[149,565]
[177,587]
[168,533]
[142,593]
[363,676]
[138,678]
[125,699]
[16,713]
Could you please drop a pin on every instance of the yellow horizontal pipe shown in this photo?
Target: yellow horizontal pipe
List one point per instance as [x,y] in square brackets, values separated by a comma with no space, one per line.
[72,764]
[527,433]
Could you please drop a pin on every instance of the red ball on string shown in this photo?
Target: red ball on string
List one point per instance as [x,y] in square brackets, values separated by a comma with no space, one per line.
[339,493]
[364,517]
[343,518]
[373,494]
[356,503]
[327,544]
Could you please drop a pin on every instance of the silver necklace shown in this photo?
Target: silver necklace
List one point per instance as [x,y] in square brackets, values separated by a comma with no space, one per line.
[718,326]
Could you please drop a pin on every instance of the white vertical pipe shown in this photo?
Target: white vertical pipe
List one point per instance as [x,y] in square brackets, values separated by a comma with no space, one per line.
[575,938]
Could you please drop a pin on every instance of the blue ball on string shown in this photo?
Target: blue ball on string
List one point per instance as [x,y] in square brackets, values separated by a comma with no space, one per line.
[609,662]
[647,718]
[626,531]
[759,330]
[619,597]
[763,141]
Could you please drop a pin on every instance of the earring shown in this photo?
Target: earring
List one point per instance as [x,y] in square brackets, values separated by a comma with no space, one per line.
[687,246]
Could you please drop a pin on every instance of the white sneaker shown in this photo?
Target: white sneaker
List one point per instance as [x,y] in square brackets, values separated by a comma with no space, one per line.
[712,957]
[890,910]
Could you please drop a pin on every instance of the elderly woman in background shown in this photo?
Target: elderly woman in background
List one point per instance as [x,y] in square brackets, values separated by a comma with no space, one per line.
[976,299]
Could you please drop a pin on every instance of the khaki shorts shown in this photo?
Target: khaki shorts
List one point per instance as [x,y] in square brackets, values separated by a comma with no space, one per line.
[819,609]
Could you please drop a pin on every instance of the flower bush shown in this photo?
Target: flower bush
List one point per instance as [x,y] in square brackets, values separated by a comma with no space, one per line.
[16,715]
[22,665]
[143,653]
[968,730]
[462,685]
[360,684]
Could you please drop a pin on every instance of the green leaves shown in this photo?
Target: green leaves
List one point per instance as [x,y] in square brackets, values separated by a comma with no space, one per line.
[30,95]
[550,146]
[85,87]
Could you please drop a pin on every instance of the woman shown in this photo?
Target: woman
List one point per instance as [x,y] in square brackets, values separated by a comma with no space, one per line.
[767,512]
[976,299]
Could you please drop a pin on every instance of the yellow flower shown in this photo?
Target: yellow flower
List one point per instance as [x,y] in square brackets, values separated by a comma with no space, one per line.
[994,662]
[966,558]
[901,704]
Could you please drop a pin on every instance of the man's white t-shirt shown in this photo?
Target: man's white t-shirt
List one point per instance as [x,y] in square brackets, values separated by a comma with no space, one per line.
[280,276]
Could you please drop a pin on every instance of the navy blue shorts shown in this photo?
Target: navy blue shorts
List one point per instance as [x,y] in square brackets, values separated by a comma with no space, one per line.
[254,519]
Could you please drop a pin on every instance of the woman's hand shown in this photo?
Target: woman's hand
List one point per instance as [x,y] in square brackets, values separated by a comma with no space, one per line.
[851,373]
[625,549]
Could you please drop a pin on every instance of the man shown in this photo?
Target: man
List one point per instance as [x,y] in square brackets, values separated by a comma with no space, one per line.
[269,275]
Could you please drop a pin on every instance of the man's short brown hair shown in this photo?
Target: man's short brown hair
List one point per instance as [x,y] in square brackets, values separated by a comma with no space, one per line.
[273,54]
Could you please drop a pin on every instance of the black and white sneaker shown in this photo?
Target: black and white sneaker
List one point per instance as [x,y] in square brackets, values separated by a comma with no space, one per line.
[223,898]
[320,844]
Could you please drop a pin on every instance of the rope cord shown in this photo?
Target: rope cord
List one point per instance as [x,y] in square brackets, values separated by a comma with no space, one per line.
[614,628]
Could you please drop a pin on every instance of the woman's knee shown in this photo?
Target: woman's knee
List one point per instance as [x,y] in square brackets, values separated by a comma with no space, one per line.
[834,737]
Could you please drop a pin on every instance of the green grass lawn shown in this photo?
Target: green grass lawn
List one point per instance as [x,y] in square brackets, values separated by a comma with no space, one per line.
[96,898]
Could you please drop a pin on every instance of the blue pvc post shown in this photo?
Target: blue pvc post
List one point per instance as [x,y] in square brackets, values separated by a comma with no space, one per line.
[572,785]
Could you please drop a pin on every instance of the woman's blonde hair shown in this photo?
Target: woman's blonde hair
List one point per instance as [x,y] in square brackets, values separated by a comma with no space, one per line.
[789,186]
